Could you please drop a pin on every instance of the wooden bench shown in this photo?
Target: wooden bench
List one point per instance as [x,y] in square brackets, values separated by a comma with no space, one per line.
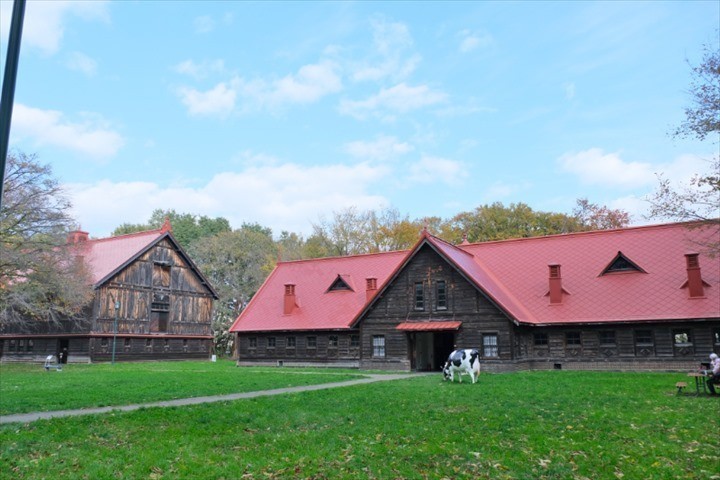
[680,386]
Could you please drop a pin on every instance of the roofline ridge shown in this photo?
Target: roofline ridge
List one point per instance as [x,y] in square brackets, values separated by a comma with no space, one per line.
[126,235]
[341,257]
[658,226]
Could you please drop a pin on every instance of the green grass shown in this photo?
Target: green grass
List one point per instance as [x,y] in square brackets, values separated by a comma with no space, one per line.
[29,388]
[528,425]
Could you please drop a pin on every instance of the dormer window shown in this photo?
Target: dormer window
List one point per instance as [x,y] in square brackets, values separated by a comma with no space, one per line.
[339,284]
[621,264]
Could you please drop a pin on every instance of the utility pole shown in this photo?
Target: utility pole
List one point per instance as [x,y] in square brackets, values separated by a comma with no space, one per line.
[8,86]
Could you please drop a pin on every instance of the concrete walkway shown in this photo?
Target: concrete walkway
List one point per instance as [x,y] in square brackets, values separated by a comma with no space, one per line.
[31,417]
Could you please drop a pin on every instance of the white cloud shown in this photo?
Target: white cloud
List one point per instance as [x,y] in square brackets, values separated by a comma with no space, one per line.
[80,62]
[470,40]
[399,99]
[91,137]
[435,169]
[204,24]
[308,85]
[200,70]
[220,100]
[390,57]
[44,22]
[382,148]
[282,197]
[595,167]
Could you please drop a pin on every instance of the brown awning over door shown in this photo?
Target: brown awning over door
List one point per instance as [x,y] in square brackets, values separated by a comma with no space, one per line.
[428,326]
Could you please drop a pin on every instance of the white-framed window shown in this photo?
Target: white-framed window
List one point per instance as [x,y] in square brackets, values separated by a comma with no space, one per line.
[378,346]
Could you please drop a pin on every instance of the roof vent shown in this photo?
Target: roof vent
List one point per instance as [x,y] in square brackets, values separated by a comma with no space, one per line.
[621,264]
[339,284]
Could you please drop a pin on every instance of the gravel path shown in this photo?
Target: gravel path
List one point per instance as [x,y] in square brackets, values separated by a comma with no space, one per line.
[31,417]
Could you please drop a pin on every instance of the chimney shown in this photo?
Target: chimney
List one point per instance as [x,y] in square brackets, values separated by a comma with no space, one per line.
[694,279]
[370,288]
[555,280]
[77,236]
[289,303]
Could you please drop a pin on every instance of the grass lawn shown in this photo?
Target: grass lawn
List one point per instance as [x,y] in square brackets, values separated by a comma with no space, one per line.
[527,425]
[29,388]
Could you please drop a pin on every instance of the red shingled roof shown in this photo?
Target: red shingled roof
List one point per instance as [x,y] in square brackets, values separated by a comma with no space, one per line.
[514,275]
[106,256]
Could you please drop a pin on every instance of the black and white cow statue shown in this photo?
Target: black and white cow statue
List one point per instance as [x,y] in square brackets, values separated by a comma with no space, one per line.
[466,361]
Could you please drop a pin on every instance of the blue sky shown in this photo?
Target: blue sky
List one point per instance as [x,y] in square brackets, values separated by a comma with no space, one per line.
[281,112]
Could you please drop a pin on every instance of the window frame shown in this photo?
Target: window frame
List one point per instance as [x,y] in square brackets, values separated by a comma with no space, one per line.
[290,342]
[490,347]
[607,338]
[271,343]
[573,343]
[333,341]
[419,296]
[441,302]
[311,342]
[541,339]
[378,346]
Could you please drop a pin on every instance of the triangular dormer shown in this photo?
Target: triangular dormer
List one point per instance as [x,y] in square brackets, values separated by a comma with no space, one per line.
[340,284]
[621,264]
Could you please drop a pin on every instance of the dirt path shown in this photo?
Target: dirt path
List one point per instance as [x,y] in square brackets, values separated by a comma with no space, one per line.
[31,417]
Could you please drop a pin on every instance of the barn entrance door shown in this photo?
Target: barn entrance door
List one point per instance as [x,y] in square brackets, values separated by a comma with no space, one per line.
[63,349]
[431,350]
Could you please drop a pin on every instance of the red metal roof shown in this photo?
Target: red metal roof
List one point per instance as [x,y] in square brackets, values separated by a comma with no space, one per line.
[514,275]
[428,326]
[105,256]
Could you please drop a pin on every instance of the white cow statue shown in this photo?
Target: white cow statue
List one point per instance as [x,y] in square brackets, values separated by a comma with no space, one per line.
[465,361]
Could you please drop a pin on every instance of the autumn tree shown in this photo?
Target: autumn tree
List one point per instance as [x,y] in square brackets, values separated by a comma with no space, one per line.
[599,217]
[43,283]
[236,263]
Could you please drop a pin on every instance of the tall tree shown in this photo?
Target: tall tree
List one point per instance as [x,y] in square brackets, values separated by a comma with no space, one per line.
[187,228]
[42,281]
[599,217]
[236,263]
[698,200]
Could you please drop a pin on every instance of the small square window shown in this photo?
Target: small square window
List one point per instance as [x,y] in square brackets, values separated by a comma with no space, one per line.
[290,342]
[12,345]
[104,342]
[682,338]
[606,337]
[379,346]
[573,339]
[540,339]
[21,345]
[311,342]
[271,342]
[716,336]
[354,341]
[30,345]
[252,342]
[644,337]
[333,341]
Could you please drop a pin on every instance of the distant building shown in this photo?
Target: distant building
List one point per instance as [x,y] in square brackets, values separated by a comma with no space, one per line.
[633,298]
[165,305]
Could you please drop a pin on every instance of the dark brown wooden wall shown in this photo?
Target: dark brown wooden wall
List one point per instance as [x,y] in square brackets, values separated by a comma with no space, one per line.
[190,302]
[464,303]
[321,354]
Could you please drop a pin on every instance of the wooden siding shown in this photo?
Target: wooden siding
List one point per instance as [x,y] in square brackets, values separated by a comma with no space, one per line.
[465,303]
[322,353]
[160,273]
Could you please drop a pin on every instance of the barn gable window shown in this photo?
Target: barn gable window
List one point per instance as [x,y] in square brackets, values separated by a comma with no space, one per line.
[621,264]
[339,284]
[441,295]
[419,296]
[378,346]
[161,274]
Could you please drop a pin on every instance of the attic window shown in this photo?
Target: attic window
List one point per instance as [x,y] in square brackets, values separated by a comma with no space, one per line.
[339,284]
[621,264]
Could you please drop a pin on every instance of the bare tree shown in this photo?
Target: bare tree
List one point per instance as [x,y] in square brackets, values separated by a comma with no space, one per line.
[43,283]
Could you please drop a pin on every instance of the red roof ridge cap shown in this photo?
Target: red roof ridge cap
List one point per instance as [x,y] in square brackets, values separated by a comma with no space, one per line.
[341,257]
[127,235]
[656,226]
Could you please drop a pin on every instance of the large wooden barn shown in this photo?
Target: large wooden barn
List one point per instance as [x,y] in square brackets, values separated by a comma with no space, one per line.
[150,302]
[641,298]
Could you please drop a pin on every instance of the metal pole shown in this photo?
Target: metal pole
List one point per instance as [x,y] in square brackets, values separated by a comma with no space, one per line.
[8,86]
[117,308]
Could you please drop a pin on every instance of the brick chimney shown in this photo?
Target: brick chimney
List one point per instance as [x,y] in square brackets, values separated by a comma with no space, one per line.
[289,302]
[556,290]
[694,279]
[77,236]
[370,288]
